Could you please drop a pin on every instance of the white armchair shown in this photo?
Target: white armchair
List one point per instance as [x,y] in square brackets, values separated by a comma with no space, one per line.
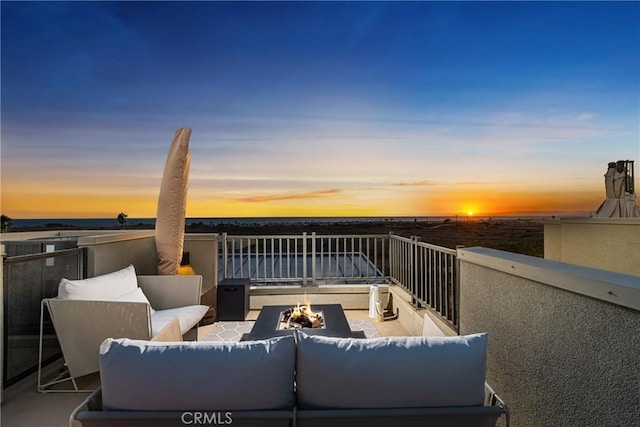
[118,305]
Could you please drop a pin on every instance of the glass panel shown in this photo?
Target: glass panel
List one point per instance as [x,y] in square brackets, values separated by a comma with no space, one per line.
[25,283]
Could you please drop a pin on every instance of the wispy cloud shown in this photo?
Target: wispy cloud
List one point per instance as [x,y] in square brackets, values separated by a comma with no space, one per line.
[479,183]
[508,120]
[423,183]
[296,196]
[585,116]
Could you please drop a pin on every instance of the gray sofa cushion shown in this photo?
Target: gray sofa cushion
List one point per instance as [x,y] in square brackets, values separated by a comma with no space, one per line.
[144,375]
[391,372]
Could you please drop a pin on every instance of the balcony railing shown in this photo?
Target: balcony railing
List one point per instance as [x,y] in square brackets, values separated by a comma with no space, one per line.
[429,273]
[27,279]
[306,259]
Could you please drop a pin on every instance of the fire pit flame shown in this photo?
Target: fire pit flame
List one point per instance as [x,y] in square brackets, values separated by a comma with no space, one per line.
[302,317]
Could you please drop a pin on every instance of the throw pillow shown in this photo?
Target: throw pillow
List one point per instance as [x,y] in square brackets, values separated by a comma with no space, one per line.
[136,296]
[106,287]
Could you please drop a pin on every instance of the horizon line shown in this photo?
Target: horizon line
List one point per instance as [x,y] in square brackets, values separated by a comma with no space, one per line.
[460,215]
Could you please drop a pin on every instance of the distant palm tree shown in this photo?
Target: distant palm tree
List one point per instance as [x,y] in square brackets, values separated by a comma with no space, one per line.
[6,223]
[122,218]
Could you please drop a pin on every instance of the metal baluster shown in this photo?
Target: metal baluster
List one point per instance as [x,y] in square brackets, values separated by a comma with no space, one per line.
[313,258]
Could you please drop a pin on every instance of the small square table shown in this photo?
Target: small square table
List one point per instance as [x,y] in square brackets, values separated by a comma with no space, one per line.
[266,325]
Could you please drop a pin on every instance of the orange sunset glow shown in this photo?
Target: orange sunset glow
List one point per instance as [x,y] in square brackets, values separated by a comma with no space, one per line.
[480,202]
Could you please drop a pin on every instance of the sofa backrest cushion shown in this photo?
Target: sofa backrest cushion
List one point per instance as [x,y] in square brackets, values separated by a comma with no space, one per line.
[136,296]
[106,287]
[390,372]
[206,376]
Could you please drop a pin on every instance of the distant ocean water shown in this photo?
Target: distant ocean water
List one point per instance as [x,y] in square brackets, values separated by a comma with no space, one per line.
[113,222]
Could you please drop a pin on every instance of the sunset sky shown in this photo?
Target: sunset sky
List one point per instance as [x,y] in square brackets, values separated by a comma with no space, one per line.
[317,109]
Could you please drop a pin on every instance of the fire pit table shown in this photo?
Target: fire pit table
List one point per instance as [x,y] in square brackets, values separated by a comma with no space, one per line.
[270,323]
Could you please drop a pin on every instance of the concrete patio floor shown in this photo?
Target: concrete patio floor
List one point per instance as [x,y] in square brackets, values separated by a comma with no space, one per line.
[24,406]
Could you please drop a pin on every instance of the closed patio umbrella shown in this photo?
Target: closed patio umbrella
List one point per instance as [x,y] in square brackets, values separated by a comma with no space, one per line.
[172,202]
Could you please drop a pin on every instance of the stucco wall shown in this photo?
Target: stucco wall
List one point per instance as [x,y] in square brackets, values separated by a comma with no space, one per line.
[558,358]
[608,244]
[203,254]
[553,240]
[108,253]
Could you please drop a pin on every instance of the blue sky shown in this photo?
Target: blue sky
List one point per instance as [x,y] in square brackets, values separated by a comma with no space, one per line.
[307,108]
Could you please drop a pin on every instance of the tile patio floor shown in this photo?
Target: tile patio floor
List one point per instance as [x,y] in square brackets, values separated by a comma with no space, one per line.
[232,331]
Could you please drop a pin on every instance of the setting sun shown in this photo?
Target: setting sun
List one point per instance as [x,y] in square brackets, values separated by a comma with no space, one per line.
[471,208]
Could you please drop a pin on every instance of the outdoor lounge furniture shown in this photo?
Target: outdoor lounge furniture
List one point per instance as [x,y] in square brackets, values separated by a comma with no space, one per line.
[118,305]
[407,381]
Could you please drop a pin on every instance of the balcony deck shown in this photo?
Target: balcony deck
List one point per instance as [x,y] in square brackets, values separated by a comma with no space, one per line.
[556,330]
[23,405]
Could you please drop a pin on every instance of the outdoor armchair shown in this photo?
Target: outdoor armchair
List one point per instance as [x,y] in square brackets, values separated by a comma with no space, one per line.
[117,305]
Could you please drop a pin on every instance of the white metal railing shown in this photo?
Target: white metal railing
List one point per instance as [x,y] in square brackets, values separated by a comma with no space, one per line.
[429,273]
[306,259]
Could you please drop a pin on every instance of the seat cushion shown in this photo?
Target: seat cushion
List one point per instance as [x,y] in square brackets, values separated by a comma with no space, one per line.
[189,316]
[206,376]
[106,287]
[390,372]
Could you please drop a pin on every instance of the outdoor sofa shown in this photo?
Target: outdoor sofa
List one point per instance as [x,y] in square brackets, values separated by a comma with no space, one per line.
[114,305]
[297,380]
